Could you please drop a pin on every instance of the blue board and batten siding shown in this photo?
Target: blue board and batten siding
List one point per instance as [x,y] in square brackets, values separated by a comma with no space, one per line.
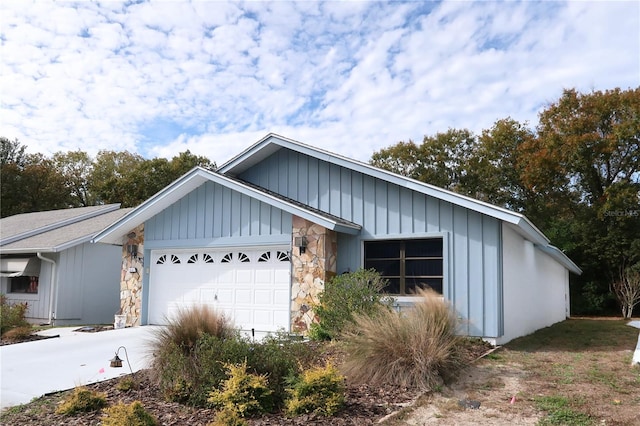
[213,215]
[385,210]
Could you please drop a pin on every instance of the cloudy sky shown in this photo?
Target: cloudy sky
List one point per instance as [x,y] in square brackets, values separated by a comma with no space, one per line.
[350,77]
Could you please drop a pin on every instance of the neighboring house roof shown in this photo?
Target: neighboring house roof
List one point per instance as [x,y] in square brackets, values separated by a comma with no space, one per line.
[271,143]
[198,176]
[55,230]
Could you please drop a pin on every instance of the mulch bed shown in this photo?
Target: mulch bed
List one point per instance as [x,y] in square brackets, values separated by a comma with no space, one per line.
[365,405]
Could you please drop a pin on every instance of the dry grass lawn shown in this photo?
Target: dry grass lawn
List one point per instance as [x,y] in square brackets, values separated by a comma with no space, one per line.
[577,372]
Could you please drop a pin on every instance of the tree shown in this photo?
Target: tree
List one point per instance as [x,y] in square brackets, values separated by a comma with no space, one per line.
[112,178]
[441,160]
[76,167]
[627,290]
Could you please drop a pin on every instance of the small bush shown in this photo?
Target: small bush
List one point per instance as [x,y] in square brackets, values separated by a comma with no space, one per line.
[320,390]
[345,296]
[415,348]
[132,414]
[245,393]
[12,316]
[228,417]
[82,400]
[18,334]
[126,384]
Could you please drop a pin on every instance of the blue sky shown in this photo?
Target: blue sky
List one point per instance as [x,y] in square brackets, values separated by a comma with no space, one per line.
[349,77]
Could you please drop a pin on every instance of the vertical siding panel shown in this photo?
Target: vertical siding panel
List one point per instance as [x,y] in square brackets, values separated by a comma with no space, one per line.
[183,217]
[357,198]
[255,217]
[282,184]
[369,220]
[236,214]
[287,223]
[302,174]
[492,277]
[334,189]
[174,227]
[419,212]
[314,188]
[265,219]
[323,186]
[209,211]
[406,211]
[245,216]
[346,194]
[272,175]
[476,275]
[433,214]
[292,175]
[226,212]
[275,221]
[217,208]
[393,209]
[192,200]
[381,205]
[460,260]
[201,199]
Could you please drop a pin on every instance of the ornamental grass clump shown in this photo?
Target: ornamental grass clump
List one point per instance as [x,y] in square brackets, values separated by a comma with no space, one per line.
[416,348]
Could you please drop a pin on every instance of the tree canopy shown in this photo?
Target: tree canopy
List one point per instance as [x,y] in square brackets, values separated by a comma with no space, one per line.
[34,182]
[576,175]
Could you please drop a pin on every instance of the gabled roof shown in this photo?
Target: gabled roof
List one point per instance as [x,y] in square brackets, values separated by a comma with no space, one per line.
[198,176]
[55,230]
[271,143]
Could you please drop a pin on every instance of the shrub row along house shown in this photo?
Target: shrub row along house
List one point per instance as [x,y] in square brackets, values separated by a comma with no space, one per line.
[259,238]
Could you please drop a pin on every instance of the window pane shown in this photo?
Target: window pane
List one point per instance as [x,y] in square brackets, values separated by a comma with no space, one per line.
[24,285]
[393,287]
[424,248]
[428,267]
[381,249]
[384,267]
[433,283]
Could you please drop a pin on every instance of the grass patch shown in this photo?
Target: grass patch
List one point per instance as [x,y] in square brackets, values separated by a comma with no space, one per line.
[579,335]
[560,412]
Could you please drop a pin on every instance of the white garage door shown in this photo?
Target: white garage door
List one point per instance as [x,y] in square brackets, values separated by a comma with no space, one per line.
[250,286]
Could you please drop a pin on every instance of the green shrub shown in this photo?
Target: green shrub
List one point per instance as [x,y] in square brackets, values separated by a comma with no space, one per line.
[347,295]
[320,390]
[126,384]
[418,347]
[12,316]
[243,392]
[132,414]
[82,400]
[228,417]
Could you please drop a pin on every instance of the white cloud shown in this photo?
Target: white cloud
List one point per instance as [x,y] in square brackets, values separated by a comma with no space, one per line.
[349,77]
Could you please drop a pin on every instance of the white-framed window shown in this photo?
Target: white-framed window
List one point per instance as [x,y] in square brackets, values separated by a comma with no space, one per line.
[407,264]
[23,284]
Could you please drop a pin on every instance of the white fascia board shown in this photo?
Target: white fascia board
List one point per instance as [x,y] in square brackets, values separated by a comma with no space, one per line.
[560,257]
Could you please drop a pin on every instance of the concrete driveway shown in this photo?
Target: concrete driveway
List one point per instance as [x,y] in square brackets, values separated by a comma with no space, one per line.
[31,369]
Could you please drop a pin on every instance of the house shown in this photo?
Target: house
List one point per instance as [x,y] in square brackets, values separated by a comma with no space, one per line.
[48,262]
[259,238]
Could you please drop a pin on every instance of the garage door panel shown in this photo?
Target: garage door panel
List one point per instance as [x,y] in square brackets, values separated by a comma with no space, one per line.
[251,287]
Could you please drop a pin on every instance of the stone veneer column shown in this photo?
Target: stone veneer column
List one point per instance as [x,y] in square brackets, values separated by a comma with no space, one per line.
[310,270]
[131,282]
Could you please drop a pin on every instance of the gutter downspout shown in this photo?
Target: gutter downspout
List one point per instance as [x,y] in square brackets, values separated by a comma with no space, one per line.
[53,287]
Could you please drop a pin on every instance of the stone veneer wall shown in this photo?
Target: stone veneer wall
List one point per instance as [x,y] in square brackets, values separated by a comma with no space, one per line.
[131,282]
[310,270]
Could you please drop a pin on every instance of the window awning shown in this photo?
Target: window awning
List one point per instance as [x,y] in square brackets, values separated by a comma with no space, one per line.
[17,267]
